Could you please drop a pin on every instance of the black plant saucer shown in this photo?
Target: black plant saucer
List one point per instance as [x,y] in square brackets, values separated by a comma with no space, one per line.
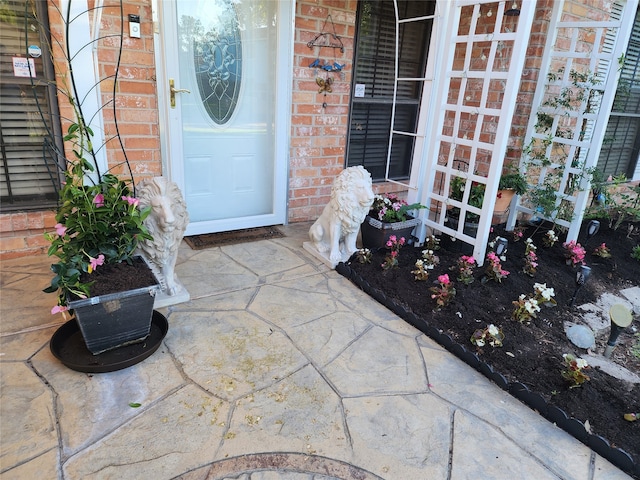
[68,346]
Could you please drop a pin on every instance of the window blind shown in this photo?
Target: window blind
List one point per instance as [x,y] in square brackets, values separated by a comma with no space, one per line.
[26,181]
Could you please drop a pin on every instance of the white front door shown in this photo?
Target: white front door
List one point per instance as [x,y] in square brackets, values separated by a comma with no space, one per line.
[227,125]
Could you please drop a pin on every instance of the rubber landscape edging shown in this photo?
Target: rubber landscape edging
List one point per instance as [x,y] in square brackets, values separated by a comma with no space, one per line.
[533,400]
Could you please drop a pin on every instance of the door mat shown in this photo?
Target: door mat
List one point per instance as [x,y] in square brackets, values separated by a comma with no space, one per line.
[208,240]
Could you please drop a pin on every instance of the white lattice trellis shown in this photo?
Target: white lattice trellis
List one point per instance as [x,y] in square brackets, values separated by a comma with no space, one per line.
[480,73]
[572,102]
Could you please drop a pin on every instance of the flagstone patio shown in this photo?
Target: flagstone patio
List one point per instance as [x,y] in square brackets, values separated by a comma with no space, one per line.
[277,368]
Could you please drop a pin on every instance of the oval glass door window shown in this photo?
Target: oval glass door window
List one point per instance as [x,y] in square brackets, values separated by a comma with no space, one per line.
[217,52]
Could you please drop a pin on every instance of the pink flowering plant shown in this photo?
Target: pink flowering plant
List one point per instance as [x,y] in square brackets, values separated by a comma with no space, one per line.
[574,254]
[99,222]
[530,258]
[518,233]
[391,209]
[464,268]
[494,270]
[602,251]
[394,244]
[444,293]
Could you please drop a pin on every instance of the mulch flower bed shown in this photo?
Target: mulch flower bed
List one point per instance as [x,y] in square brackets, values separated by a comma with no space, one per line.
[530,361]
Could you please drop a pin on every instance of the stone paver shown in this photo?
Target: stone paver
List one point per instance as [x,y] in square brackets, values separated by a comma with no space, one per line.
[276,369]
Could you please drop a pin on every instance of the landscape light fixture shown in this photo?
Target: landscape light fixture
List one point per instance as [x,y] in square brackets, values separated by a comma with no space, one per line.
[514,11]
[501,245]
[592,228]
[620,319]
[581,278]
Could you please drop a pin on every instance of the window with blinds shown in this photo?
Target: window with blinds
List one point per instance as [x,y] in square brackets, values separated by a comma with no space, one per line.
[28,176]
[621,146]
[374,67]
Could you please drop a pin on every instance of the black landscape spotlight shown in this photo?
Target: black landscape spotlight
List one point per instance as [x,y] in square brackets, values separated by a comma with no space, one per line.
[501,245]
[592,228]
[581,278]
[620,319]
[514,11]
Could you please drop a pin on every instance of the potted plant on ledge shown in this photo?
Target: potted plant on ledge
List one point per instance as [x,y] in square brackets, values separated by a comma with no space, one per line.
[511,183]
[388,216]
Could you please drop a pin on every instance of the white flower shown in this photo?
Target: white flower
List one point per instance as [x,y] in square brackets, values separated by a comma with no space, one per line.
[522,296]
[419,263]
[531,306]
[581,363]
[542,290]
[493,330]
[480,342]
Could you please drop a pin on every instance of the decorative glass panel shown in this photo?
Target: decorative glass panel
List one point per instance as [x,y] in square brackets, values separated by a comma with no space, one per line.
[217,55]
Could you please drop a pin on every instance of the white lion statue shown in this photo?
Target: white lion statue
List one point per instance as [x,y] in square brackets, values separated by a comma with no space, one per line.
[166,223]
[336,230]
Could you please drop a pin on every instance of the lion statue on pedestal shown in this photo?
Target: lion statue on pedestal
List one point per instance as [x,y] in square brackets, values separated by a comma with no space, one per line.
[166,223]
[336,230]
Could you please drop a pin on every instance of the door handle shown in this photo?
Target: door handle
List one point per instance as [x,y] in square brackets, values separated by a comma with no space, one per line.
[173,91]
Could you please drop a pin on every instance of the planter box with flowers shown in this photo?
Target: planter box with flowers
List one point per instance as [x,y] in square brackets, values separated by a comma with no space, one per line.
[388,216]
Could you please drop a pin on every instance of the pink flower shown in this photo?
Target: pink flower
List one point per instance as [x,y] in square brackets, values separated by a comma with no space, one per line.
[389,243]
[60,229]
[401,241]
[393,238]
[131,200]
[95,262]
[59,309]
[444,279]
[99,200]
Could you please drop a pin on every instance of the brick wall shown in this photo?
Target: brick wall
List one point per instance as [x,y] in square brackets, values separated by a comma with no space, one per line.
[318,134]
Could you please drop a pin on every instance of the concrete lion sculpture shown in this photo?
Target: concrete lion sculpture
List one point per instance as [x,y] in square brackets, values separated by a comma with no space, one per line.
[166,223]
[336,230]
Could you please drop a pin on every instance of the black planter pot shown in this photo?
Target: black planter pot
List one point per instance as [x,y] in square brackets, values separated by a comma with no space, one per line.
[115,320]
[375,233]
